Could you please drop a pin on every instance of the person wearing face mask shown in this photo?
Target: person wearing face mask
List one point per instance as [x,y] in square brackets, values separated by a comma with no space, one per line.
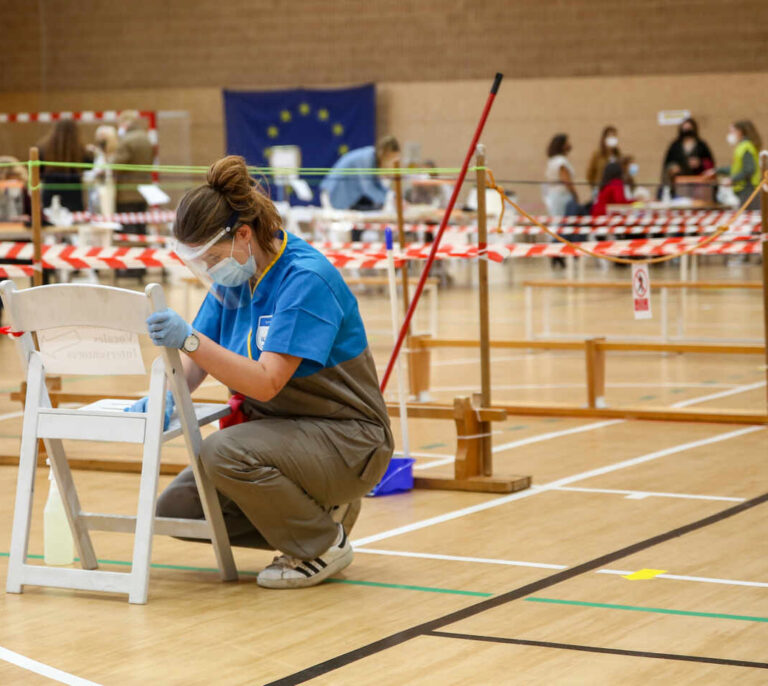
[744,173]
[687,155]
[280,328]
[607,151]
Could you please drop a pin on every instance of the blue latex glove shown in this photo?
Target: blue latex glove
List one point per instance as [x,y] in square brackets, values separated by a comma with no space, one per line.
[168,329]
[141,406]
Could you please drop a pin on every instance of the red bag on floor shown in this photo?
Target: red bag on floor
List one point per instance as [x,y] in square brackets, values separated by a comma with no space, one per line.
[235,402]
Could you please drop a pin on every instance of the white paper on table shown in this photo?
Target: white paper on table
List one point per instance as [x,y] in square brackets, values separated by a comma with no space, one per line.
[153,194]
[90,350]
[641,291]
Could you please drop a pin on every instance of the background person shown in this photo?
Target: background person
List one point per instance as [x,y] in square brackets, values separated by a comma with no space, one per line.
[744,173]
[63,144]
[281,328]
[560,195]
[607,151]
[134,147]
[611,189]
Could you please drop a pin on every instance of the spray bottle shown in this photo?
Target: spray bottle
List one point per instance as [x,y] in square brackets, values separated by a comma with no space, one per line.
[59,547]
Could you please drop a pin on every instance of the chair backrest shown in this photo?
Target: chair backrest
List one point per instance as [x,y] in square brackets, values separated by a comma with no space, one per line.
[74,306]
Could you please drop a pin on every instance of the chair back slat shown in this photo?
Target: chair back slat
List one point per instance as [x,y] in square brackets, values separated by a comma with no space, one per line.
[49,307]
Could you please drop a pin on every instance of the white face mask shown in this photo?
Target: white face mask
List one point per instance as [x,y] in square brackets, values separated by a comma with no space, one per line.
[229,272]
[633,169]
[121,132]
[732,138]
[689,146]
[612,141]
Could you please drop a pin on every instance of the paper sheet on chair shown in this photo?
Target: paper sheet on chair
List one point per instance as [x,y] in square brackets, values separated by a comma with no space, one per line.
[90,350]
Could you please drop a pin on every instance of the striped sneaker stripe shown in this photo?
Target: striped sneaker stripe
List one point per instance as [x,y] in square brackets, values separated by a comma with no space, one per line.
[309,565]
[320,562]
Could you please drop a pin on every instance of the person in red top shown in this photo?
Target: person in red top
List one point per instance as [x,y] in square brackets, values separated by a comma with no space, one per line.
[611,189]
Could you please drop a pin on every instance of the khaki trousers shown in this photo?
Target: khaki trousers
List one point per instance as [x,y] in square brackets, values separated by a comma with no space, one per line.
[277,479]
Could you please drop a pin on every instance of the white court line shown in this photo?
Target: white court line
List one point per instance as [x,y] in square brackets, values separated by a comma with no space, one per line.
[555,434]
[545,565]
[11,415]
[436,463]
[43,669]
[640,495]
[533,490]
[458,558]
[681,577]
[722,394]
[530,440]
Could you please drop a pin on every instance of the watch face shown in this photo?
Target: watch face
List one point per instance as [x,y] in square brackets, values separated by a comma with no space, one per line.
[191,343]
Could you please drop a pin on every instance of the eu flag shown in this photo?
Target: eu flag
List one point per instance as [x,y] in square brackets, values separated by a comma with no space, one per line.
[325,124]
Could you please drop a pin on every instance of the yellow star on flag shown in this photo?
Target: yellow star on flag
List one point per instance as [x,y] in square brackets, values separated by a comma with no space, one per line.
[304,109]
[343,149]
[273,132]
[322,114]
[338,129]
[285,115]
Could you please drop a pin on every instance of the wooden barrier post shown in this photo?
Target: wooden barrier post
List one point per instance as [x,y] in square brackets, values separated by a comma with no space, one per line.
[418,361]
[764,227]
[482,277]
[595,359]
[37,218]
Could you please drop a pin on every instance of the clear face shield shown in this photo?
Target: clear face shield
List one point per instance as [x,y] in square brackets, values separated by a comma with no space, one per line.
[214,264]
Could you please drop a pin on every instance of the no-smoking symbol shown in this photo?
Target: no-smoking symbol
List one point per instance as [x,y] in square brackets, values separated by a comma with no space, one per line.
[641,284]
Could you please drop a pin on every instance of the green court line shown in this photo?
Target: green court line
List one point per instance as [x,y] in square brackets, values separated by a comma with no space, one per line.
[648,397]
[353,582]
[658,610]
[429,446]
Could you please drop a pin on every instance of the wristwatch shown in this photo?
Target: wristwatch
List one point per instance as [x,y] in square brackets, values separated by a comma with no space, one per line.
[191,343]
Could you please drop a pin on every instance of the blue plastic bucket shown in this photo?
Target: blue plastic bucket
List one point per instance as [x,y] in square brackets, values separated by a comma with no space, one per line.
[397,478]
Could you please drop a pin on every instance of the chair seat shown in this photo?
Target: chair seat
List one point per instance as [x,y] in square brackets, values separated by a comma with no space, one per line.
[205,413]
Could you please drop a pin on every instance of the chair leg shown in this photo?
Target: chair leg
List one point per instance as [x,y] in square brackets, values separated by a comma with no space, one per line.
[25,483]
[150,474]
[213,515]
[79,528]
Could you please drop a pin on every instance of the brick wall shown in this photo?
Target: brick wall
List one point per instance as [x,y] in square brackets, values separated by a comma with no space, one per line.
[56,45]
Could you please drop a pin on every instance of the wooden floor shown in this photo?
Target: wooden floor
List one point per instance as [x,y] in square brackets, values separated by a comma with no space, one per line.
[465,588]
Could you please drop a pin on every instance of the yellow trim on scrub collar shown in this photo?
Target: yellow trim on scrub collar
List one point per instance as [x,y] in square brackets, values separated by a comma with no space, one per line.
[263,274]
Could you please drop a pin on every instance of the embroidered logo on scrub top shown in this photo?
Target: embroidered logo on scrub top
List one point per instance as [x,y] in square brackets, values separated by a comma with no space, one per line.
[262,331]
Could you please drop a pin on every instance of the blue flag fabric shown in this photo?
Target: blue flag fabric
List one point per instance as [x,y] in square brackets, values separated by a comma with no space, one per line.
[325,124]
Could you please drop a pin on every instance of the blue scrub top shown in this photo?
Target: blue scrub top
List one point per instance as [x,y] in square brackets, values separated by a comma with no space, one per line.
[301,306]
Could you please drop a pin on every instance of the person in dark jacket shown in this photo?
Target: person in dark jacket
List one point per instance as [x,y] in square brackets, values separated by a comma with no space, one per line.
[687,155]
[63,144]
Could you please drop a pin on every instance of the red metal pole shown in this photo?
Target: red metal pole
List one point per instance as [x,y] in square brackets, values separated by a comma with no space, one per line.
[441,230]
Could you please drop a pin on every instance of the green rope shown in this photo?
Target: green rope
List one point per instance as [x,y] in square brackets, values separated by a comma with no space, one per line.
[272,171]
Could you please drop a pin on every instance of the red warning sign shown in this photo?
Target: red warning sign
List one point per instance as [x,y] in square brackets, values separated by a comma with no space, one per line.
[641,291]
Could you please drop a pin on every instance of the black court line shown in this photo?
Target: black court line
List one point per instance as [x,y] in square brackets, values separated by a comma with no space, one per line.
[607,651]
[400,637]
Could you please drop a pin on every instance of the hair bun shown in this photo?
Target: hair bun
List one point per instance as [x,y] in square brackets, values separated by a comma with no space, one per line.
[229,176]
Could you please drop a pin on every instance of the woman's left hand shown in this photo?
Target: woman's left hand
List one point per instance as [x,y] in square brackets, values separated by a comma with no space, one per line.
[168,329]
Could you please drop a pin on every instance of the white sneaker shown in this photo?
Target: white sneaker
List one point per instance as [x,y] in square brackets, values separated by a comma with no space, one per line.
[290,572]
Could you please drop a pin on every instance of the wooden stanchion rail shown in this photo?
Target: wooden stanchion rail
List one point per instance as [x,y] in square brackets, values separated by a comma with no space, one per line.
[594,354]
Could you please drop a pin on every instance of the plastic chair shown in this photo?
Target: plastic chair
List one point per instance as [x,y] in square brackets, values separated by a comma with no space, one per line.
[78,305]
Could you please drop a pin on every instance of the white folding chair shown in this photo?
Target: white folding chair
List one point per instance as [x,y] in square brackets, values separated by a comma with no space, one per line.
[38,310]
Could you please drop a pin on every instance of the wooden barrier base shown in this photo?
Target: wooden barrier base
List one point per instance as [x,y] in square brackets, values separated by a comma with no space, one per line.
[480,484]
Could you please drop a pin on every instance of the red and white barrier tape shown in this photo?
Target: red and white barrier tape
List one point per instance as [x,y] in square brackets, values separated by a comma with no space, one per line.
[361,255]
[149,217]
